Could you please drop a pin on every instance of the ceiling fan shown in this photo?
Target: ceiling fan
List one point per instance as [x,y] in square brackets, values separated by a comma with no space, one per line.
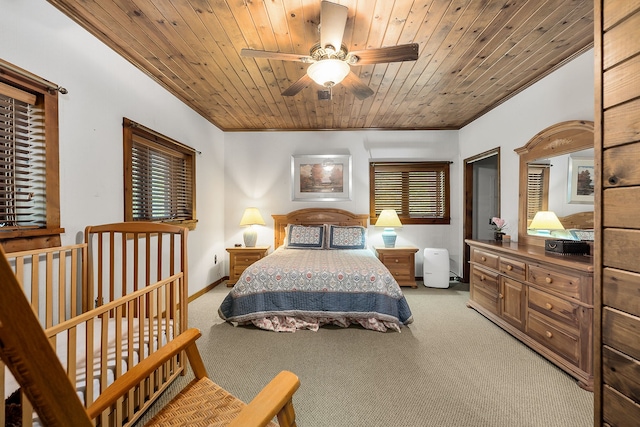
[331,61]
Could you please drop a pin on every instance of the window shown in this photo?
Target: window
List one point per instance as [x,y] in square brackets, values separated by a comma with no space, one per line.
[418,191]
[159,177]
[537,189]
[29,178]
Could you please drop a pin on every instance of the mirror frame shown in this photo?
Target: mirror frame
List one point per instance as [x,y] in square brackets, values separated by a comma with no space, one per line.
[556,140]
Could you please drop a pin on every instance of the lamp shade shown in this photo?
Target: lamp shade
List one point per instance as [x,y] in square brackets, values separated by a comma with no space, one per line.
[388,218]
[251,216]
[545,220]
[328,72]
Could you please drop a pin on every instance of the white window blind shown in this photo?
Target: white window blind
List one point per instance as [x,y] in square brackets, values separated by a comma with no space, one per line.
[22,162]
[161,182]
[417,191]
[537,189]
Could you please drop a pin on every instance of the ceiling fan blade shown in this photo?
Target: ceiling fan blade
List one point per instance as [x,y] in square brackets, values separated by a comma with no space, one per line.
[250,53]
[333,19]
[403,52]
[355,85]
[302,82]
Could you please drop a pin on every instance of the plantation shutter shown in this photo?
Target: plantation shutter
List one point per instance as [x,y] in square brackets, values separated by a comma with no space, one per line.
[22,161]
[161,182]
[413,190]
[537,189]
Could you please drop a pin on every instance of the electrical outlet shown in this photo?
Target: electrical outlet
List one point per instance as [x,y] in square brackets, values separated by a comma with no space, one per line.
[215,259]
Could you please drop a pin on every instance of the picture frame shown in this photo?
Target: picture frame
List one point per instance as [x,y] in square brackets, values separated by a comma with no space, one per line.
[580,180]
[324,177]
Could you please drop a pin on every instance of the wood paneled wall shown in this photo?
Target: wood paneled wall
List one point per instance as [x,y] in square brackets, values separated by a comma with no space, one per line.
[617,133]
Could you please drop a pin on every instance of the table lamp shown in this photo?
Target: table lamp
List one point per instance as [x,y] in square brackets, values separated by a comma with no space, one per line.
[388,218]
[544,222]
[250,218]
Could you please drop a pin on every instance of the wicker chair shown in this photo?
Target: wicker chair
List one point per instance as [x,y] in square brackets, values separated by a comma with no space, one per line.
[25,349]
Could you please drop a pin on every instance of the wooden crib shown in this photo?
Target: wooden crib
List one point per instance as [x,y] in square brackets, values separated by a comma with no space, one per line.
[106,304]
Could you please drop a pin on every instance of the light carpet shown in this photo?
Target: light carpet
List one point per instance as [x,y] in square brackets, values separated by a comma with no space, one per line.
[450,367]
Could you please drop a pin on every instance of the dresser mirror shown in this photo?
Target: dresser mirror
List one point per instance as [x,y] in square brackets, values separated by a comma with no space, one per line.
[547,164]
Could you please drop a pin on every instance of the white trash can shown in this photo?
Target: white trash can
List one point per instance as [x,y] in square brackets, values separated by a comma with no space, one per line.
[435,270]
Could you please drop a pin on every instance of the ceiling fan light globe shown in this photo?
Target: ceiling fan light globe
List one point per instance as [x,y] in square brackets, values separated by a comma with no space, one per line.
[328,72]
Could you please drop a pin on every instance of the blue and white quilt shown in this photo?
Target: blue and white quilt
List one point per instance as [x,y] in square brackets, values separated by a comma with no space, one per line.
[305,288]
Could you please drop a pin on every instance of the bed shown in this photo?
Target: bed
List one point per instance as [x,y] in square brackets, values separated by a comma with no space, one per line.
[106,304]
[321,272]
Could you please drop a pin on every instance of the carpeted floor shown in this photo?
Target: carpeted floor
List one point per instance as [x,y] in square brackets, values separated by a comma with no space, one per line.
[451,367]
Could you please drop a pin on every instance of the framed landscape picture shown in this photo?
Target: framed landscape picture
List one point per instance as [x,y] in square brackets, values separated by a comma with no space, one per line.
[581,180]
[324,177]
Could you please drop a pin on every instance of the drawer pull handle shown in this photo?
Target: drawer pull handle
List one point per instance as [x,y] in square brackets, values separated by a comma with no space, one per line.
[549,334]
[548,280]
[484,258]
[509,267]
[549,306]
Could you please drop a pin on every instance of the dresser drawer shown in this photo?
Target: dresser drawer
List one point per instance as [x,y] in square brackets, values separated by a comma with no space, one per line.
[486,298]
[486,259]
[553,307]
[486,280]
[565,284]
[561,339]
[512,268]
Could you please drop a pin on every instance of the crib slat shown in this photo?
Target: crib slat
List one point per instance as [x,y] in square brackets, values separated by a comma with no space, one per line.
[89,361]
[48,283]
[35,294]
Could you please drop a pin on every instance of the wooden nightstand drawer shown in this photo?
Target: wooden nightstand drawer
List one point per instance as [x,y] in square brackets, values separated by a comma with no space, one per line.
[245,260]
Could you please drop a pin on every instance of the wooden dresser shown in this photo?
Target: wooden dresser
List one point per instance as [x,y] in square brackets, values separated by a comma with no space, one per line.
[546,301]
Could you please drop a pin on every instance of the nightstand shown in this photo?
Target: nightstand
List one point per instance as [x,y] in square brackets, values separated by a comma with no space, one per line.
[401,262]
[241,258]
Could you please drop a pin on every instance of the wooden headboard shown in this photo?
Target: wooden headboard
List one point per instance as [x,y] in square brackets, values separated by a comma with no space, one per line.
[314,216]
[580,220]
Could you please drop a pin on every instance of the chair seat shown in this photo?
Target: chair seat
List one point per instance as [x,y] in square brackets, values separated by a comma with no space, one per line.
[201,403]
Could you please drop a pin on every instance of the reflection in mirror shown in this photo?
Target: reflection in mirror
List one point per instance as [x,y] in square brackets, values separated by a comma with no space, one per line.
[549,183]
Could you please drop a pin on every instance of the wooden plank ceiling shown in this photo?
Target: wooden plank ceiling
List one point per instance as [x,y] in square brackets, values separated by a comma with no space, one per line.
[473,55]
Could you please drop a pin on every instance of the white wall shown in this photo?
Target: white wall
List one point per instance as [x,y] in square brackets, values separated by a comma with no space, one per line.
[104,88]
[258,164]
[567,94]
[258,173]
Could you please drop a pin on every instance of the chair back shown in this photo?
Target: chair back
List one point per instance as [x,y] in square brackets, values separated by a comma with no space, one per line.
[27,353]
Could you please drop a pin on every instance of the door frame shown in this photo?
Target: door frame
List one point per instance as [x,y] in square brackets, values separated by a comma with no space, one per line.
[467,218]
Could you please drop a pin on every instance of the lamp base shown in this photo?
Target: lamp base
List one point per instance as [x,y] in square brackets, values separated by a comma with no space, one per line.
[389,238]
[250,237]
